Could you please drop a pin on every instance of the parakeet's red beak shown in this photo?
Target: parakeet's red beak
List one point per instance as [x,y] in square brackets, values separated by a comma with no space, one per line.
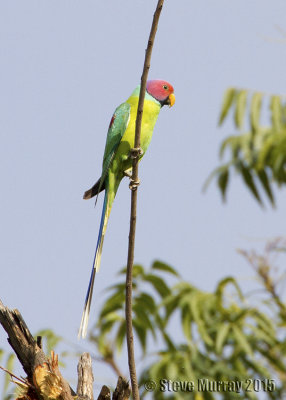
[171,99]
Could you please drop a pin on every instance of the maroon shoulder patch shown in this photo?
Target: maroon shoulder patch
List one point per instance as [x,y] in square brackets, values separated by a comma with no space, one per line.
[112,120]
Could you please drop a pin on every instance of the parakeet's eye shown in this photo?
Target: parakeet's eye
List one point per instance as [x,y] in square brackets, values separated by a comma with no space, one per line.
[165,87]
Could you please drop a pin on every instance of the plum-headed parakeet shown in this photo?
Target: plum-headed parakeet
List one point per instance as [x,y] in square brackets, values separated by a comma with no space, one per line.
[117,160]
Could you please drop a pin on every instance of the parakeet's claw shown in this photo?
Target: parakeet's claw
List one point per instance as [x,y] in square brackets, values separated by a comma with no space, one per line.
[128,173]
[136,152]
[133,185]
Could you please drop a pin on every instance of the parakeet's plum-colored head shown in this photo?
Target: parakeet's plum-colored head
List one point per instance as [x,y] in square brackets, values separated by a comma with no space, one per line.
[162,91]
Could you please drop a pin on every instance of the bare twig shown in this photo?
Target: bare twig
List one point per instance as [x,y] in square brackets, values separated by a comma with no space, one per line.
[136,155]
[12,376]
[264,266]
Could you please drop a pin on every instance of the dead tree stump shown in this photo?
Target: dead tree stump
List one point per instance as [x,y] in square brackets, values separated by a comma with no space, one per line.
[44,380]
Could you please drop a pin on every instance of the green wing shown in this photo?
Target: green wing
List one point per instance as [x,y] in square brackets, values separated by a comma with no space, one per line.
[117,127]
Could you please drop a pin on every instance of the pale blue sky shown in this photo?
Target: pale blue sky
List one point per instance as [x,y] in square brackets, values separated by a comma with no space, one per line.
[65,66]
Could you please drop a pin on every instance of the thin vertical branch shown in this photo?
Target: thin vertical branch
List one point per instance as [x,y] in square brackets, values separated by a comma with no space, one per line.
[136,155]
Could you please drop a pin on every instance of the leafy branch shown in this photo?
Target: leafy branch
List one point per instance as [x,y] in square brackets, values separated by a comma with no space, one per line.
[150,289]
[222,336]
[258,154]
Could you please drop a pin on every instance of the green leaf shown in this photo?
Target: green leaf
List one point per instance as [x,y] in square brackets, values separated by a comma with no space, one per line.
[263,322]
[112,317]
[169,342]
[158,265]
[240,109]
[222,284]
[119,287]
[194,306]
[279,167]
[159,284]
[9,366]
[172,370]
[263,336]
[143,319]
[258,368]
[187,366]
[169,303]
[255,109]
[240,366]
[121,333]
[105,327]
[248,180]
[283,108]
[221,336]
[241,340]
[158,369]
[228,99]
[223,181]
[265,151]
[138,270]
[109,321]
[113,303]
[186,322]
[215,172]
[147,301]
[234,142]
[262,176]
[141,333]
[276,112]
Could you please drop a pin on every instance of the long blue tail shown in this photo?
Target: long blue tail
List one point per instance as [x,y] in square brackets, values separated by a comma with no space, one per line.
[96,264]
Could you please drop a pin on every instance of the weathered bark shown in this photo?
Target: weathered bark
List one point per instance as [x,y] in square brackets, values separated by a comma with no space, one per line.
[85,377]
[26,348]
[122,391]
[104,393]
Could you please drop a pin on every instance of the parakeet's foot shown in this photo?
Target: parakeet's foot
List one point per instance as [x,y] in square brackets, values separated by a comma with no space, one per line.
[128,173]
[133,185]
[136,152]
